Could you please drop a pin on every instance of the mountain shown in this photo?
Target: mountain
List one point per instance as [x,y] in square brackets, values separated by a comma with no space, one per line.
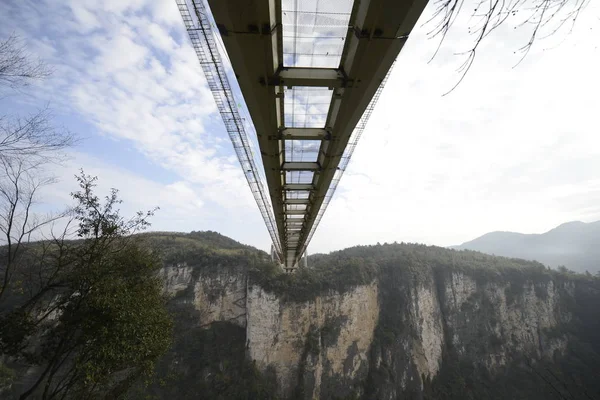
[374,322]
[393,321]
[575,245]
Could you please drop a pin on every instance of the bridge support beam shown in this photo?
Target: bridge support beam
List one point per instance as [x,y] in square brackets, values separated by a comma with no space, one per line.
[304,134]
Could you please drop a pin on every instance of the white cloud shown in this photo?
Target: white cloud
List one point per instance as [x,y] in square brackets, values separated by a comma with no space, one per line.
[182,208]
[119,66]
[86,19]
[510,148]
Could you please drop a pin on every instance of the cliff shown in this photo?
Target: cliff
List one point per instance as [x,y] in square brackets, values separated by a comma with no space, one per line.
[379,322]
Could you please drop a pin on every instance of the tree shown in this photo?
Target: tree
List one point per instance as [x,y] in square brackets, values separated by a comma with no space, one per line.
[563,270]
[18,190]
[27,145]
[88,313]
[97,319]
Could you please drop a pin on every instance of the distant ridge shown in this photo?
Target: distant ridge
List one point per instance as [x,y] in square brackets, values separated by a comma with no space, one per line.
[575,244]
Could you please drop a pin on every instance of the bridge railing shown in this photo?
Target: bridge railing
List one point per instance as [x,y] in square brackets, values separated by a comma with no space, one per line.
[199,28]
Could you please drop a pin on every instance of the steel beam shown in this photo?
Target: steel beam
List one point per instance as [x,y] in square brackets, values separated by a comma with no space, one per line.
[298,186]
[252,34]
[295,212]
[300,166]
[304,134]
[315,77]
[296,201]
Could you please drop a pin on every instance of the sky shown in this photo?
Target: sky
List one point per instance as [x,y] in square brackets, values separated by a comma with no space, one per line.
[514,147]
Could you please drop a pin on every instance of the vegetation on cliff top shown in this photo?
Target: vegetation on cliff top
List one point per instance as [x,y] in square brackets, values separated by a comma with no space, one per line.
[344,269]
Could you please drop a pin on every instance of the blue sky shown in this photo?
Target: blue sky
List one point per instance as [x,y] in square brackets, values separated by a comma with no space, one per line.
[513,148]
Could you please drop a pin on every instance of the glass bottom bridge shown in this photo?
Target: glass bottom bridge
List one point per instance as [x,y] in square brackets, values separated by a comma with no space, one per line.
[310,73]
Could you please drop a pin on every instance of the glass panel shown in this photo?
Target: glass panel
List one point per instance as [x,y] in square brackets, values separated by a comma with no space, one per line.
[296,194]
[296,207]
[299,176]
[306,107]
[302,150]
[314,32]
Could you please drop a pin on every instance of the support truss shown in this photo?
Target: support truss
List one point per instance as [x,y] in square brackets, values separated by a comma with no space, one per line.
[202,37]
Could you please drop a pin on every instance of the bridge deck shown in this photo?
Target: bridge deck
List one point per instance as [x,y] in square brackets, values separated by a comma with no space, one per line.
[308,70]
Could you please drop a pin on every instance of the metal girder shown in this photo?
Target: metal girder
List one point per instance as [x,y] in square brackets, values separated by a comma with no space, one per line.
[252,33]
[299,222]
[254,56]
[296,201]
[304,134]
[295,212]
[317,77]
[300,166]
[298,186]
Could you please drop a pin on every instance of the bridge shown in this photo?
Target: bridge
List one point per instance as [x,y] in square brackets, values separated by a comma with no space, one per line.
[310,73]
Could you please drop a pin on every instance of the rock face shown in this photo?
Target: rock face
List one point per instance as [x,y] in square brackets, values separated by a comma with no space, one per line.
[176,277]
[389,338]
[321,345]
[221,298]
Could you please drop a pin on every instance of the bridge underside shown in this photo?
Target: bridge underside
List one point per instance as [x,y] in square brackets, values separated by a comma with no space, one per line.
[308,70]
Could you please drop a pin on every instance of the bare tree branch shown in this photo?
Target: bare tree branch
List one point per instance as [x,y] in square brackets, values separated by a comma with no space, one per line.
[17,67]
[19,184]
[34,138]
[488,15]
[27,146]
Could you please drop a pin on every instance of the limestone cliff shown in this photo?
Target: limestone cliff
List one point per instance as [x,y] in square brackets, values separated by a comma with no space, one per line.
[419,328]
[321,345]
